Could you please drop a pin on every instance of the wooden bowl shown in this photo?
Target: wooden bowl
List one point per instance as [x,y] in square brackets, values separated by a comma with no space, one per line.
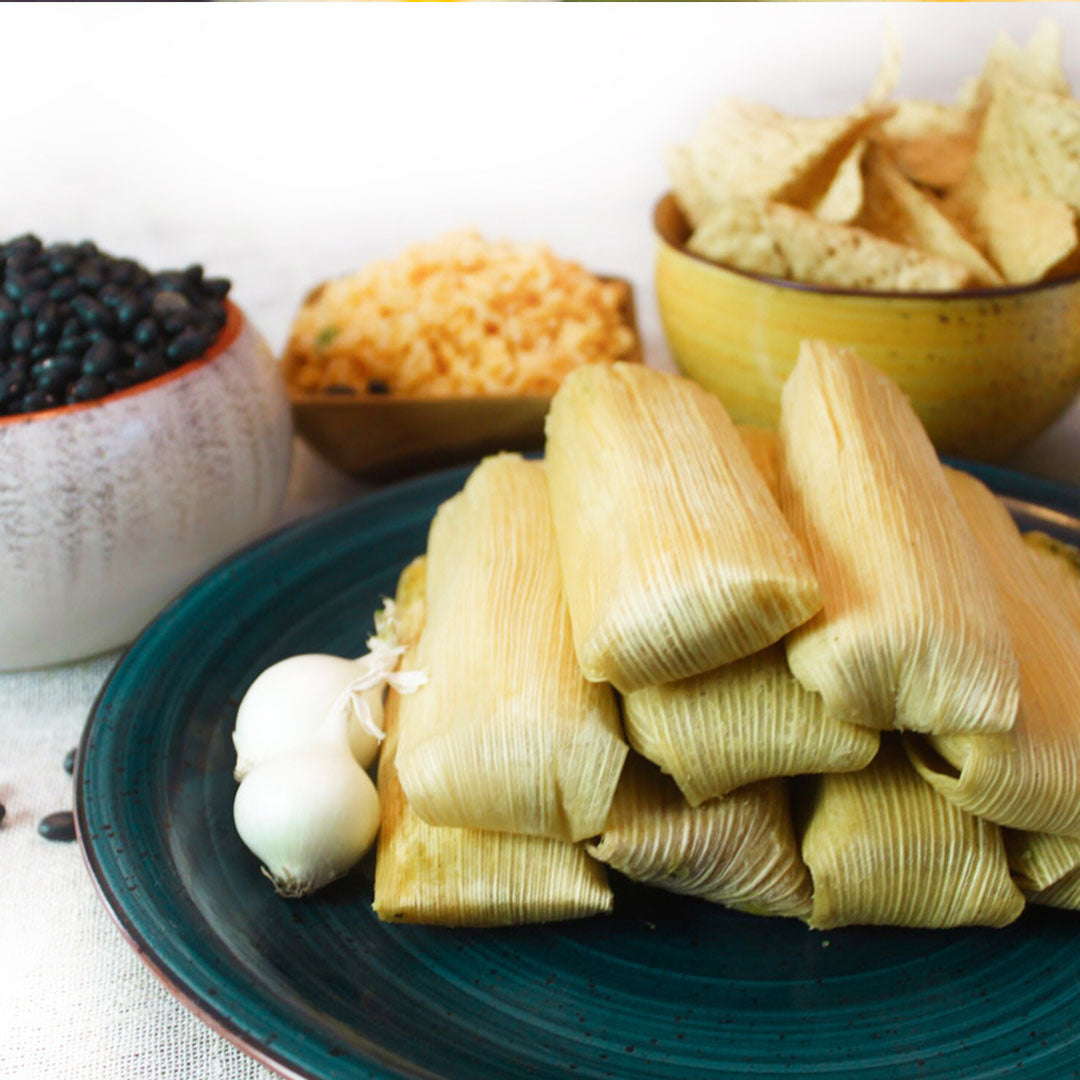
[986,370]
[112,507]
[382,437]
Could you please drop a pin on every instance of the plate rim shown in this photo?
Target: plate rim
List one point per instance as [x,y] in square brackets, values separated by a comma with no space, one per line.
[1045,493]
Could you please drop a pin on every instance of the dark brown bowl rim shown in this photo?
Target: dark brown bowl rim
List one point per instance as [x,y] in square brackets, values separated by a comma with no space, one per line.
[234,320]
[989,292]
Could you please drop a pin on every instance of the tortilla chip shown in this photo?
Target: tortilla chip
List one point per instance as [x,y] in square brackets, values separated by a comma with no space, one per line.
[894,208]
[781,241]
[891,61]
[931,143]
[686,186]
[844,198]
[1028,238]
[1036,66]
[1030,144]
[744,150]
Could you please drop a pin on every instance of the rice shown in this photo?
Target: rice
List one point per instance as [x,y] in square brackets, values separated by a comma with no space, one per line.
[459,316]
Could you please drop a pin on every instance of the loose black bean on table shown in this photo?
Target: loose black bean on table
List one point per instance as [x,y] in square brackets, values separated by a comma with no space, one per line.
[78,324]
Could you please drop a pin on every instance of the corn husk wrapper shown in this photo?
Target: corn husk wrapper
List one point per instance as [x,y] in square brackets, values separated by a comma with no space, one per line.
[764,447]
[784,242]
[897,210]
[884,848]
[465,877]
[507,735]
[675,556]
[1027,778]
[748,720]
[1058,564]
[1046,868]
[911,634]
[739,851]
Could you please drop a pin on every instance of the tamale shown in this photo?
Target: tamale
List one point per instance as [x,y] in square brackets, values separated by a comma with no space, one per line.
[745,721]
[911,633]
[1058,564]
[507,735]
[675,557]
[465,877]
[1027,778]
[1047,868]
[738,851]
[884,848]
[764,447]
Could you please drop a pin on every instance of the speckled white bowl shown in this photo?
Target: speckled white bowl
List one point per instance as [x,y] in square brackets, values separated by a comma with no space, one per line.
[109,508]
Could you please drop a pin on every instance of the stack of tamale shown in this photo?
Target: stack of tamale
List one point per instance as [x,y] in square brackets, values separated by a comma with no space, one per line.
[767,606]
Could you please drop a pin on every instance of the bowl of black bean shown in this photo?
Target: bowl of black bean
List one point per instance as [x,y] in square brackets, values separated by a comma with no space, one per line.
[144,435]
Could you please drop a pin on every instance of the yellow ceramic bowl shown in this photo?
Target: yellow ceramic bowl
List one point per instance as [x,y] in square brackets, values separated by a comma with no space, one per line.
[986,370]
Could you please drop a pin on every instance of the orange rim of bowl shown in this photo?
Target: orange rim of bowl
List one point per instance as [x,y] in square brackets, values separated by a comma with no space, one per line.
[666,207]
[227,335]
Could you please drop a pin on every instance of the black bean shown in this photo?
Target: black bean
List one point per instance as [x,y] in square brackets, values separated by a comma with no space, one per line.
[217,288]
[124,272]
[88,323]
[28,243]
[121,379]
[62,289]
[101,357]
[22,336]
[170,281]
[129,311]
[164,303]
[12,386]
[93,314]
[61,258]
[55,372]
[37,401]
[72,346]
[378,386]
[69,760]
[47,324]
[187,346]
[16,285]
[87,388]
[90,276]
[32,303]
[59,826]
[149,365]
[145,333]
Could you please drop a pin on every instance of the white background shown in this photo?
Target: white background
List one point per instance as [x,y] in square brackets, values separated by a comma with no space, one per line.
[282,144]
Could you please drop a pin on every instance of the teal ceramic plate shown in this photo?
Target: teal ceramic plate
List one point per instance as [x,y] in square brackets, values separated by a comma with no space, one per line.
[667,987]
